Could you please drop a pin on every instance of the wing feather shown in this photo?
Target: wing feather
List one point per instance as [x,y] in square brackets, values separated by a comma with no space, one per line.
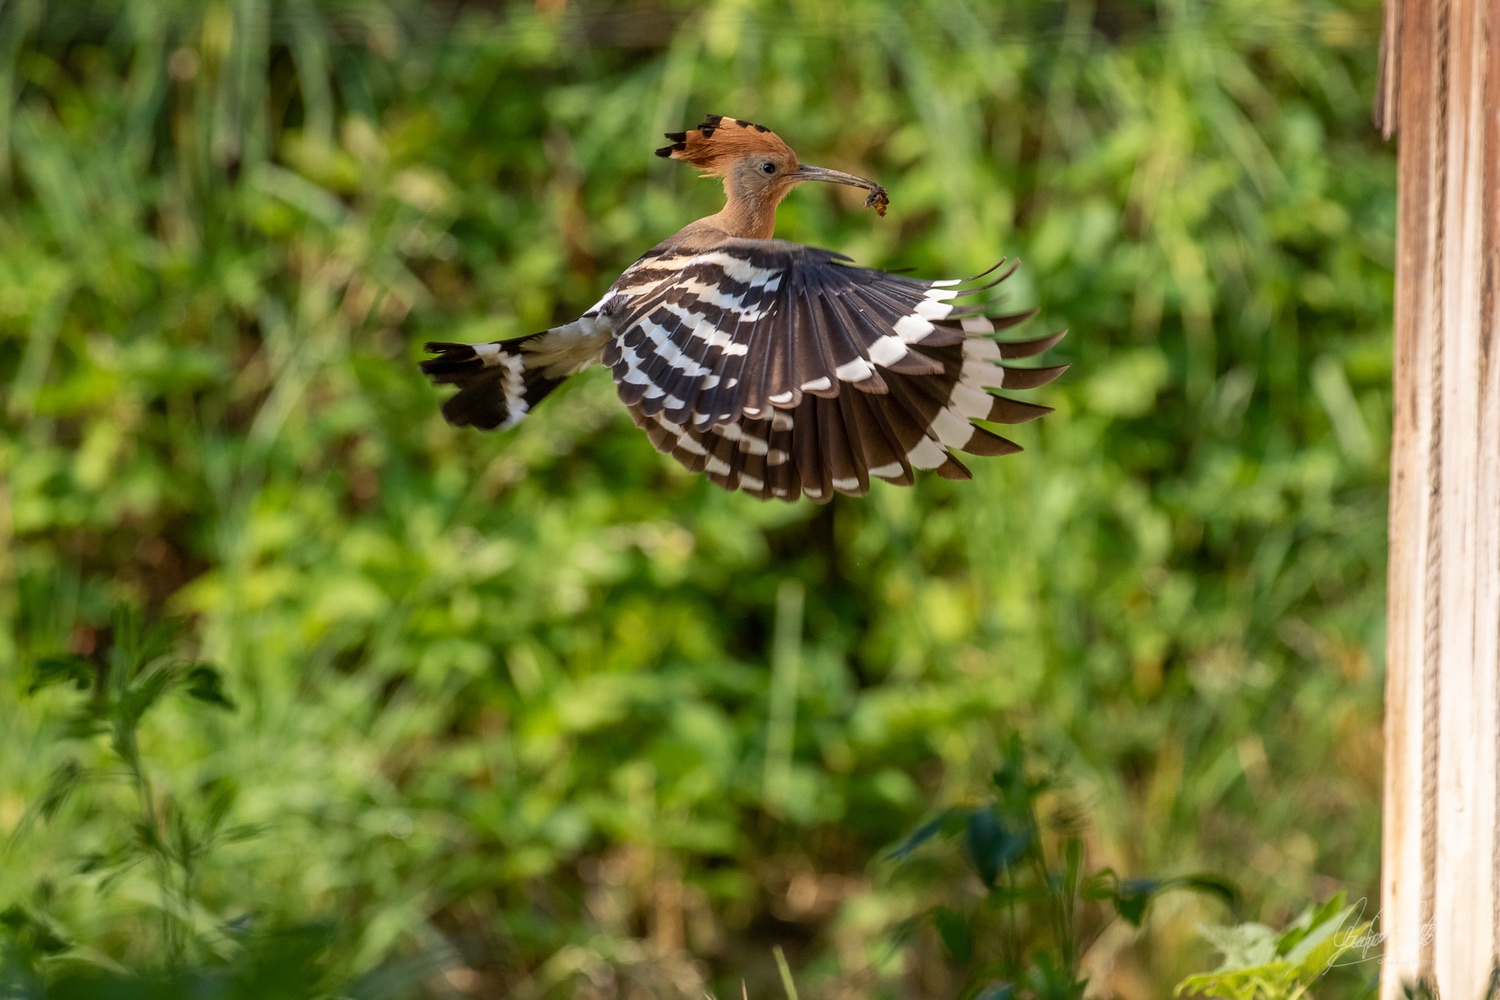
[884,455]
[807,453]
[737,360]
[839,456]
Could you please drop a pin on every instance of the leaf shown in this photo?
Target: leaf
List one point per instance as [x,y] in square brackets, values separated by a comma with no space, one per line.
[953,930]
[111,867]
[33,933]
[137,644]
[1131,899]
[1213,885]
[50,670]
[206,684]
[787,982]
[142,693]
[1017,793]
[49,942]
[943,823]
[13,918]
[85,723]
[982,837]
[1132,896]
[1324,943]
[1073,876]
[221,794]
[991,845]
[122,868]
[64,780]
[1052,979]
[1245,946]
[1309,920]
[1260,962]
[147,838]
[242,832]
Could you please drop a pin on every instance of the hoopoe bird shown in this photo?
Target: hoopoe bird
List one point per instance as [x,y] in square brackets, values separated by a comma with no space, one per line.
[775,368]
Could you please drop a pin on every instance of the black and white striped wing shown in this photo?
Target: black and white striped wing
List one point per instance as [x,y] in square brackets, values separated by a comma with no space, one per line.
[781,370]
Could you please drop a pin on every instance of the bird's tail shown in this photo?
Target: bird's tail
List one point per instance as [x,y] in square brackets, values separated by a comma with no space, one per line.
[498,383]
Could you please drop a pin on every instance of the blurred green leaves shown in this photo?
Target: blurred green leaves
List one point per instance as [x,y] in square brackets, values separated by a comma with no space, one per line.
[1262,964]
[545,658]
[1039,907]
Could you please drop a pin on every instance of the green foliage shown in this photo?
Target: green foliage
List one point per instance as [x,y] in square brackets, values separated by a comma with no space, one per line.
[510,706]
[1039,907]
[288,964]
[128,679]
[1262,964]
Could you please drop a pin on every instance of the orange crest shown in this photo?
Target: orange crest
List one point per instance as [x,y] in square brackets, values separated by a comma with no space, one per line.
[719,141]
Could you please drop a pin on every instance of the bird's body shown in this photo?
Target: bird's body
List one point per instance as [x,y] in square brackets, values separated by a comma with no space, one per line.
[776,368]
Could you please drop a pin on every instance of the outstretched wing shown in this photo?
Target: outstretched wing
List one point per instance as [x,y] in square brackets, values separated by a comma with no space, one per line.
[781,369]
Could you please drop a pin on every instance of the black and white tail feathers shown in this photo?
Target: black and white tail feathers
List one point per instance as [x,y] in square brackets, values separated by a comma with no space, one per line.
[497,385]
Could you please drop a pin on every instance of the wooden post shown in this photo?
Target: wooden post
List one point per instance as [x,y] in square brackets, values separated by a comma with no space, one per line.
[1440,884]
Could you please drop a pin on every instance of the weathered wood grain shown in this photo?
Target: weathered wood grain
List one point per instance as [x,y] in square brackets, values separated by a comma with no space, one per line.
[1440,885]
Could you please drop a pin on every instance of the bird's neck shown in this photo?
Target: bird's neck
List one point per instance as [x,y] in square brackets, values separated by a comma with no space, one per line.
[747,218]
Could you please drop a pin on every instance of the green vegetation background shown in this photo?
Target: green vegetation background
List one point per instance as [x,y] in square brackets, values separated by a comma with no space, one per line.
[503,701]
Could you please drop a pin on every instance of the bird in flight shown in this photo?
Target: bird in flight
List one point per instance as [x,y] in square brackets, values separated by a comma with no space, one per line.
[775,368]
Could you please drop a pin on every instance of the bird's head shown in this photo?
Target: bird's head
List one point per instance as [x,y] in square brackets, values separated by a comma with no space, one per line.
[757,168]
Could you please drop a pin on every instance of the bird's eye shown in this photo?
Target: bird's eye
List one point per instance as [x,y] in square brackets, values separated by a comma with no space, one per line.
[768,167]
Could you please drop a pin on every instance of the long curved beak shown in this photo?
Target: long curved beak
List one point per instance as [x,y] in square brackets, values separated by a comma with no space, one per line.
[877,200]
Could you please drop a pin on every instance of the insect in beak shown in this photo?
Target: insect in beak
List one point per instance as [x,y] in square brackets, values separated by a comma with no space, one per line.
[877,200]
